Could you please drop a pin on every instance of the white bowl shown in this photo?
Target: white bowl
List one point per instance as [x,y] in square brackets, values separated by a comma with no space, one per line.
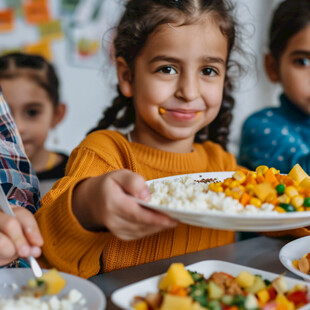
[295,250]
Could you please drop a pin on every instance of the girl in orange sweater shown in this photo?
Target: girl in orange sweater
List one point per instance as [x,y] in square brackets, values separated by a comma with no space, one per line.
[173,60]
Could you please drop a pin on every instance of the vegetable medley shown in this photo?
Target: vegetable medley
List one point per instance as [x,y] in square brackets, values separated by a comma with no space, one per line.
[181,289]
[288,193]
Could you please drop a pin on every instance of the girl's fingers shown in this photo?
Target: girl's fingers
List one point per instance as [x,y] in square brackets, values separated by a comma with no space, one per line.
[29,226]
[131,183]
[11,227]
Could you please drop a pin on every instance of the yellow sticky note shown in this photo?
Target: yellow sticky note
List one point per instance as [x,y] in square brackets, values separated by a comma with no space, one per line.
[40,48]
[50,30]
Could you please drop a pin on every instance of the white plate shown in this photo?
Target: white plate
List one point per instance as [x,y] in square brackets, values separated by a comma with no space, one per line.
[122,297]
[231,221]
[95,299]
[295,250]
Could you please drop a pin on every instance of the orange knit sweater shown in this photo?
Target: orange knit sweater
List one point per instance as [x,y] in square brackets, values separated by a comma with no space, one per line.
[71,248]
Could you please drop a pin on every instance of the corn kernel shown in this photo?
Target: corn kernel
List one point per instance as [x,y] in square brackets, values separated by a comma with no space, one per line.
[227,191]
[239,176]
[284,198]
[291,191]
[297,201]
[261,169]
[274,170]
[227,181]
[280,210]
[300,209]
[235,195]
[255,202]
[252,174]
[234,183]
[218,189]
[249,189]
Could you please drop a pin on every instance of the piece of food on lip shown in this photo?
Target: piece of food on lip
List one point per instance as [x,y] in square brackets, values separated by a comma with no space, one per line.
[162,111]
[50,283]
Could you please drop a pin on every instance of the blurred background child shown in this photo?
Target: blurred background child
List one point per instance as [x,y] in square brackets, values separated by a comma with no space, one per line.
[31,89]
[19,235]
[280,136]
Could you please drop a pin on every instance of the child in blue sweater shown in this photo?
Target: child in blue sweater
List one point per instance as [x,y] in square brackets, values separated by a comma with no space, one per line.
[280,136]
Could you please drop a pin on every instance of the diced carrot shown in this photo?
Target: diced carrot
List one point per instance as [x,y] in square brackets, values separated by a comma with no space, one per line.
[288,181]
[270,177]
[178,290]
[245,198]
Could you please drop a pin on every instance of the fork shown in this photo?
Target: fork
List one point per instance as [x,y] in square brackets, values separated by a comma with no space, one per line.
[6,208]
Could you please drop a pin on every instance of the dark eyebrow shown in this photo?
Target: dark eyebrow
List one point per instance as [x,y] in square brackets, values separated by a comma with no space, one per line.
[175,60]
[301,53]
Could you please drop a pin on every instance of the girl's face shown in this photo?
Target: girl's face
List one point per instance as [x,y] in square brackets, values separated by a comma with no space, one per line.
[32,110]
[178,84]
[294,69]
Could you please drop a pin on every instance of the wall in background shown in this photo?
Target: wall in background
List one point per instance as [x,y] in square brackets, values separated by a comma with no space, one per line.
[87,90]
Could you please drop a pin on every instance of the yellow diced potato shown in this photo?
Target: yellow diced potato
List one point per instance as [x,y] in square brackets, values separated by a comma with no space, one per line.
[196,306]
[263,296]
[305,182]
[258,285]
[54,282]
[262,190]
[297,173]
[291,191]
[280,285]
[176,275]
[245,279]
[214,291]
[176,302]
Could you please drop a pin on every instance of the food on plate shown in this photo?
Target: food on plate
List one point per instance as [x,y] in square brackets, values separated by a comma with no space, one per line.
[182,289]
[263,190]
[303,264]
[51,283]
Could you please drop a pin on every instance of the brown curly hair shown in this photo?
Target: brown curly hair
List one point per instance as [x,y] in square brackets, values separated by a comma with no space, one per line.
[140,19]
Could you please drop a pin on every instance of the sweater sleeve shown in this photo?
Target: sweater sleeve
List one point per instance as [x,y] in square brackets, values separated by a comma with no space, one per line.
[67,245]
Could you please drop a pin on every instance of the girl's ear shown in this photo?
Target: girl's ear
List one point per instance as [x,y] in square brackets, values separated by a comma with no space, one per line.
[124,76]
[59,113]
[271,67]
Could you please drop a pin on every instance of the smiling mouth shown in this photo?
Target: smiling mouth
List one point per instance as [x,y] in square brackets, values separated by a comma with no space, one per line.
[180,114]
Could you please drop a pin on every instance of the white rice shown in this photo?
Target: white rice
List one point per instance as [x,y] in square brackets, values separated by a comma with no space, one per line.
[184,193]
[74,300]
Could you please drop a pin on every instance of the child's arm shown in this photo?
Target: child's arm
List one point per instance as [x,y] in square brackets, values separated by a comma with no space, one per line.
[19,236]
[115,209]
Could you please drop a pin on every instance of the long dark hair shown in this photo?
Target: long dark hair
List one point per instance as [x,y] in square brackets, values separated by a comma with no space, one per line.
[34,67]
[140,19]
[289,18]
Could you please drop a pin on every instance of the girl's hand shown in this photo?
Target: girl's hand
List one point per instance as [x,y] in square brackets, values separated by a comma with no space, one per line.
[106,201]
[19,236]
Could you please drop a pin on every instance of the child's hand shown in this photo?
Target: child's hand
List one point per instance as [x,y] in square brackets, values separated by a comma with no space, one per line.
[106,201]
[19,236]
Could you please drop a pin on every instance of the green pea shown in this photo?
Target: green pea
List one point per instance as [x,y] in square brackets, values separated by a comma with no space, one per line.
[307,202]
[287,207]
[280,189]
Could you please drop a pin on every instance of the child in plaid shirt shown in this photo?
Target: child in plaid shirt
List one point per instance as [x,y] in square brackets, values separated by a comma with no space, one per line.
[19,236]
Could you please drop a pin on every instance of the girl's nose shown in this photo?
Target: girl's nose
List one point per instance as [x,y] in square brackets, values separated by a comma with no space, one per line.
[188,87]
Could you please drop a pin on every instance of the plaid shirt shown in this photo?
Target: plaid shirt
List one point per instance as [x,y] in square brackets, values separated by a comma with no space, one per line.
[17,176]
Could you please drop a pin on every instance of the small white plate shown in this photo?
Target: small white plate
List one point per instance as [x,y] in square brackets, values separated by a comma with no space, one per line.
[122,297]
[295,250]
[10,277]
[231,221]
